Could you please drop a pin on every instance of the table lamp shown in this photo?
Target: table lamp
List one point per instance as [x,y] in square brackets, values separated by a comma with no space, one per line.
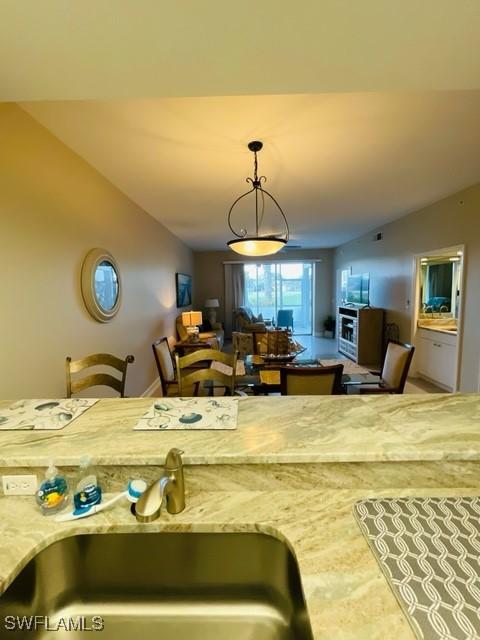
[191,320]
[211,304]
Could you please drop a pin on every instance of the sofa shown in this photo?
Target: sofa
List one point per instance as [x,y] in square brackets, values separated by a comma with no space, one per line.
[247,323]
[215,337]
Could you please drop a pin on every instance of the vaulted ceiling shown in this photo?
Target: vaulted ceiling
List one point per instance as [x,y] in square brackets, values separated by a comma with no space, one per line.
[340,164]
[368,110]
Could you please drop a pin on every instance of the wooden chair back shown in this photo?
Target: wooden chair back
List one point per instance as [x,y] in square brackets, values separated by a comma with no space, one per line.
[95,379]
[276,342]
[311,381]
[194,377]
[164,361]
[243,343]
[396,365]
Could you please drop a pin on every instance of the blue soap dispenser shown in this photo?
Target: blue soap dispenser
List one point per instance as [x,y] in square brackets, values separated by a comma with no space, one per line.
[52,495]
[87,490]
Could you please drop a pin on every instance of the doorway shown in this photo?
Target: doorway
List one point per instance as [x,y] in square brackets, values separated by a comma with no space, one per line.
[437,316]
[272,286]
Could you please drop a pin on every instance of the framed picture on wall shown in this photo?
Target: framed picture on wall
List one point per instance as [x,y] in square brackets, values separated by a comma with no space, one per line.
[183,284]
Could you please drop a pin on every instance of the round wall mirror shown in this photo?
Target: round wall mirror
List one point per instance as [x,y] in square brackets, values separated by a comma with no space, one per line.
[101,285]
[106,285]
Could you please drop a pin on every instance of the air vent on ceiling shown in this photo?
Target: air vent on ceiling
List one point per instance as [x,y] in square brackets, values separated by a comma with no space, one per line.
[289,247]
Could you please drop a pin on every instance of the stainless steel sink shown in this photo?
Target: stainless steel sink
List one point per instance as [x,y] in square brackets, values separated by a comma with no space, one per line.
[162,586]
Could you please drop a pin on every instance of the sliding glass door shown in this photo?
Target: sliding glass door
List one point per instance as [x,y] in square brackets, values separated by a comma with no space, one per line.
[271,286]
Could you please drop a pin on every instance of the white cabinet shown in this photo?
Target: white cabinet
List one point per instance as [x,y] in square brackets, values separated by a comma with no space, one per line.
[436,357]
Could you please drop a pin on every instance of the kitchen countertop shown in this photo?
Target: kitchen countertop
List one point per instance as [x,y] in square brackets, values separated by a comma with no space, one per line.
[275,429]
[439,330]
[346,594]
[268,476]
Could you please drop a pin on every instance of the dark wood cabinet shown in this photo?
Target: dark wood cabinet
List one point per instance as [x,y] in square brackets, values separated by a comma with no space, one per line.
[360,332]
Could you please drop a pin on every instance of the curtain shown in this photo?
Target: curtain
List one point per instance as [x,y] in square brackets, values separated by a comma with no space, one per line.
[234,293]
[238,285]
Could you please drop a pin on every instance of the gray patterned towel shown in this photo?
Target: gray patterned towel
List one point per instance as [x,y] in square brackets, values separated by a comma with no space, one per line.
[429,551]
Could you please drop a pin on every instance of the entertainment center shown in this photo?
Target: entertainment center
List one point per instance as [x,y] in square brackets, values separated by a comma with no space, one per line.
[360,327]
[360,331]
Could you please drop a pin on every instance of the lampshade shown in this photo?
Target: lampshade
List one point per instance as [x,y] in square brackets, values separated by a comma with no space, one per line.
[192,318]
[212,303]
[257,246]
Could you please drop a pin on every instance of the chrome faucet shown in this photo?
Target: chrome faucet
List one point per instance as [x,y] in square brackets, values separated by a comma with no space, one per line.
[170,484]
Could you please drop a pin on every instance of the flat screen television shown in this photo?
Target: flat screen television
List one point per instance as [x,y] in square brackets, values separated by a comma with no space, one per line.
[358,288]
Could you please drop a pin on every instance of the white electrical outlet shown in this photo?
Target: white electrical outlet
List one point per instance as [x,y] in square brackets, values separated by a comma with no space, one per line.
[19,485]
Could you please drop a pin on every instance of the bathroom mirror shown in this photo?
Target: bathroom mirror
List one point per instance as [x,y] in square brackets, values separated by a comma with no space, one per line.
[101,285]
[440,280]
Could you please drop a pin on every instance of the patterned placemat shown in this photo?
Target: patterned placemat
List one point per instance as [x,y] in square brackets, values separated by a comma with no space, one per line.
[46,415]
[190,413]
[270,377]
[224,368]
[429,551]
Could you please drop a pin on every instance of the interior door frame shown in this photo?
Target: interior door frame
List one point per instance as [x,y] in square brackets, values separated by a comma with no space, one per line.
[416,298]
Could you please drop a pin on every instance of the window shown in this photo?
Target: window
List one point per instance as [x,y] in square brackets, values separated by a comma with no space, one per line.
[271,286]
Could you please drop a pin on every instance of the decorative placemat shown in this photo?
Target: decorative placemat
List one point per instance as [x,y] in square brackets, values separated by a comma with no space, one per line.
[43,415]
[227,370]
[190,413]
[270,376]
[429,551]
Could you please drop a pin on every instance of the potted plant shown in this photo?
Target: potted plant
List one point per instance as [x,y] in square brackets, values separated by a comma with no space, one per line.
[329,327]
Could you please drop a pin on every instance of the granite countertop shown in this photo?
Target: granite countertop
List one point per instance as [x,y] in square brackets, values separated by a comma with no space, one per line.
[346,594]
[449,332]
[442,325]
[275,429]
[269,476]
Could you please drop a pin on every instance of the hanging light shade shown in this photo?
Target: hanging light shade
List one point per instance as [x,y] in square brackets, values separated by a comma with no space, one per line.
[258,244]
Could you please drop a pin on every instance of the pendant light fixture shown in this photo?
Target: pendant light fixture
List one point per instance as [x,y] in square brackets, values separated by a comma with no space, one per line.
[257,244]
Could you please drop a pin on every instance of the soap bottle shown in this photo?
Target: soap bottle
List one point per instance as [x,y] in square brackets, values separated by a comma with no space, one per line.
[87,490]
[52,495]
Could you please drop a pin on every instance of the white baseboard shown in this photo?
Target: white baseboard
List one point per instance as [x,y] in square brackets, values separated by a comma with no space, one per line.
[151,389]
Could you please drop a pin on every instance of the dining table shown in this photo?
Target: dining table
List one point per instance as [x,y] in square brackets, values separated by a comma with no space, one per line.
[263,372]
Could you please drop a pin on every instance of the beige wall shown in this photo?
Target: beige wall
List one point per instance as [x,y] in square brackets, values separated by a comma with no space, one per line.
[452,221]
[54,207]
[209,278]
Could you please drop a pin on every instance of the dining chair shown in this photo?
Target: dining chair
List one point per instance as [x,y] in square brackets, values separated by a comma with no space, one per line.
[187,376]
[393,376]
[276,342]
[243,343]
[285,318]
[75,385]
[311,381]
[165,366]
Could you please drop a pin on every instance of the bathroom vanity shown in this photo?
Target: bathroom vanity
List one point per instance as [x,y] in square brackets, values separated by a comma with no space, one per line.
[291,471]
